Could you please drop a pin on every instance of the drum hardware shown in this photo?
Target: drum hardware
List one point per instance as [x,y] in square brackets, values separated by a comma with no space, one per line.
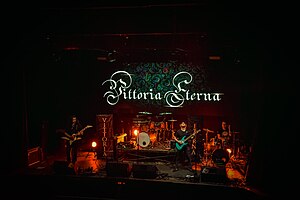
[165,113]
[167,126]
[153,137]
[144,127]
[133,142]
[145,113]
[152,125]
[121,137]
[220,157]
[172,123]
[140,121]
[206,145]
[208,131]
[138,118]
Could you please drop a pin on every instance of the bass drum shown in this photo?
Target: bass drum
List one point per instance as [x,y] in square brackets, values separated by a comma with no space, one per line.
[143,139]
[220,157]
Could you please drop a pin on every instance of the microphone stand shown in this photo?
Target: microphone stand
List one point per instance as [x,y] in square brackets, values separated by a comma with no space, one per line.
[138,146]
[206,148]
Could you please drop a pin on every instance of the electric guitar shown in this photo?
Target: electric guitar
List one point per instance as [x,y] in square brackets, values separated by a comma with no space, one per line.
[76,136]
[184,140]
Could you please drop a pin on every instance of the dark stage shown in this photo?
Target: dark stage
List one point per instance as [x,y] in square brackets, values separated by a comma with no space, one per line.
[132,73]
[147,172]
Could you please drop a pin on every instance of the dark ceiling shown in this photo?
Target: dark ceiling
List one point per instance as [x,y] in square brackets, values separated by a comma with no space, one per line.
[97,25]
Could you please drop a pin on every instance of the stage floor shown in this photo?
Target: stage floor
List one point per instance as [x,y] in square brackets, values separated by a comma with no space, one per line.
[137,173]
[92,163]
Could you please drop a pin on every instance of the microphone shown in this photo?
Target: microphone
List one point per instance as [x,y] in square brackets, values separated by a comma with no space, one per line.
[205,129]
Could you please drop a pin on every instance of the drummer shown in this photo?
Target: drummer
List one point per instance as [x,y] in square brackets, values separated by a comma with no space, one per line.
[224,138]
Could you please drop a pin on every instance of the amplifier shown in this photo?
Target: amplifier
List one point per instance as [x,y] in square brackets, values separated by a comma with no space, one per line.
[34,155]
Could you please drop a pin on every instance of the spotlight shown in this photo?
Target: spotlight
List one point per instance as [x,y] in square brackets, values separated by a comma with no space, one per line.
[94,144]
[229,151]
[135,132]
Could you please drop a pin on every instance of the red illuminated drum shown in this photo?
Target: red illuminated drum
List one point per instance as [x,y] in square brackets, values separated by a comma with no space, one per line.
[220,156]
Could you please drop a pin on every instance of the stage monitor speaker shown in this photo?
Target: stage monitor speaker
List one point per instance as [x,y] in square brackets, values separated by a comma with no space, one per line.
[144,171]
[214,174]
[117,169]
[62,168]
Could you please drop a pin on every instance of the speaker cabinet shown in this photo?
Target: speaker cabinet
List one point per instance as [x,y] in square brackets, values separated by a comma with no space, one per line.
[117,169]
[62,168]
[34,156]
[214,174]
[144,171]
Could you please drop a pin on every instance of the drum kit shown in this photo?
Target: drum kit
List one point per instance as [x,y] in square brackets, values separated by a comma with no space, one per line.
[153,132]
[157,131]
[216,152]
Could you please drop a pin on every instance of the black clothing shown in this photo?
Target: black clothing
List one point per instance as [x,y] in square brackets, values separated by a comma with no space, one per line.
[225,142]
[184,152]
[72,147]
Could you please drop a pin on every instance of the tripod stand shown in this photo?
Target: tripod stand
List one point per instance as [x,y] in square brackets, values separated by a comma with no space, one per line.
[206,146]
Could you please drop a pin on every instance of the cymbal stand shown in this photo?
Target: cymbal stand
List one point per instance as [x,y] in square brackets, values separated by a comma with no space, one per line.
[206,148]
[138,145]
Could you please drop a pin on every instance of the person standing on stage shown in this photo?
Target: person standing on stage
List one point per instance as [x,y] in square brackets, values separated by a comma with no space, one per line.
[182,148]
[224,136]
[72,130]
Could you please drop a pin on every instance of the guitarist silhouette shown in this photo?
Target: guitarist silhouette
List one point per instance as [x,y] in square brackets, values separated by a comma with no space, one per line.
[72,147]
[183,147]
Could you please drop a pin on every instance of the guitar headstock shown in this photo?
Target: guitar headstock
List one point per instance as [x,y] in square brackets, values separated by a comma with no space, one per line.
[196,131]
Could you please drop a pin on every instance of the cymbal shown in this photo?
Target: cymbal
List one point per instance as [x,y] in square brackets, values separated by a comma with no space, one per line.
[138,119]
[172,120]
[140,122]
[235,132]
[207,130]
[145,113]
[165,113]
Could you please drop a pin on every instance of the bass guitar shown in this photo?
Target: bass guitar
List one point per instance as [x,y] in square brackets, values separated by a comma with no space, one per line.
[76,136]
[184,140]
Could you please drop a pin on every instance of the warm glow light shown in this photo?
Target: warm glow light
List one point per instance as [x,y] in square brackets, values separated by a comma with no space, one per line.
[71,48]
[228,150]
[94,144]
[214,57]
[135,132]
